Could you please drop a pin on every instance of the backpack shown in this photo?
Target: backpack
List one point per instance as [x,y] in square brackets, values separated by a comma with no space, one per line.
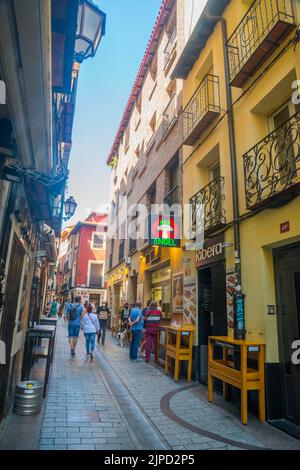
[73,313]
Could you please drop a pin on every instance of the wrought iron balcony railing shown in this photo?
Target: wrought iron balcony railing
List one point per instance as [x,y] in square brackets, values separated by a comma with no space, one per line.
[173,197]
[201,110]
[170,114]
[170,47]
[272,166]
[209,202]
[132,245]
[260,32]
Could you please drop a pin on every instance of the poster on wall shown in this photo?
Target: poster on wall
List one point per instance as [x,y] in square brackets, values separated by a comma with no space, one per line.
[177,293]
[230,289]
[189,300]
[140,293]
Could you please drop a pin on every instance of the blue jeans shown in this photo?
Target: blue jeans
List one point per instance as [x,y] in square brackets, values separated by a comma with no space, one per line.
[90,342]
[136,336]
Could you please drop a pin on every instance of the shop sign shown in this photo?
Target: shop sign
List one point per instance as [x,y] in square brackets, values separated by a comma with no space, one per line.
[211,252]
[164,231]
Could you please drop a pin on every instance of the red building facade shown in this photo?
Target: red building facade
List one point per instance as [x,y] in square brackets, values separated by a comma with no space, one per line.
[82,260]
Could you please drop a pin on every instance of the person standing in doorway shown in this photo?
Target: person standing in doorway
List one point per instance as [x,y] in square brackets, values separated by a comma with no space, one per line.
[90,326]
[103,313]
[135,322]
[74,315]
[151,323]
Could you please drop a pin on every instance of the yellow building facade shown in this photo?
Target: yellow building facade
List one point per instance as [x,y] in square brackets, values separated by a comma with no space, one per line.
[241,162]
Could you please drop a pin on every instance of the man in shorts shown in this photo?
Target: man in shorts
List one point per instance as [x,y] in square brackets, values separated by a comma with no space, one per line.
[74,317]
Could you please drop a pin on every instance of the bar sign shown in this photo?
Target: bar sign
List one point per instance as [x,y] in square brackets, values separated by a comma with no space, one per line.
[285,227]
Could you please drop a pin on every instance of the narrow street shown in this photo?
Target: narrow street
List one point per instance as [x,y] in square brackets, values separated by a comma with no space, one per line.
[111,403]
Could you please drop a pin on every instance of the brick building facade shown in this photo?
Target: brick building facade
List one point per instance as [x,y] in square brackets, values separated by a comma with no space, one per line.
[146,169]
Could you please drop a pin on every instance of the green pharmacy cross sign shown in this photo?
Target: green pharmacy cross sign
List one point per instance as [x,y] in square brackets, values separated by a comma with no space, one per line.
[164,231]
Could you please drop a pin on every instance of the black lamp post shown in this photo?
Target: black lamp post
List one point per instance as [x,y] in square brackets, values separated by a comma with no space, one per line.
[70,207]
[90,29]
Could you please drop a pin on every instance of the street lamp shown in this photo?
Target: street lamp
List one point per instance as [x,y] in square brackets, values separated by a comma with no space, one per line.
[70,207]
[90,29]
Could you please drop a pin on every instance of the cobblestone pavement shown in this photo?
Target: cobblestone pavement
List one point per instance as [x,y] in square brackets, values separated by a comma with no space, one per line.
[111,403]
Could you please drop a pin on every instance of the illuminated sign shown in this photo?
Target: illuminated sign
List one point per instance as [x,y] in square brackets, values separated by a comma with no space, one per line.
[164,231]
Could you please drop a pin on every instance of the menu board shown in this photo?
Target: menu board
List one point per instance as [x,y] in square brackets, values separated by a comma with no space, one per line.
[208,299]
[177,292]
[189,300]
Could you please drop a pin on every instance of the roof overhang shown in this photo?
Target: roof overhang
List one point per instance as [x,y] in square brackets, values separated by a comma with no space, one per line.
[201,33]
[64,25]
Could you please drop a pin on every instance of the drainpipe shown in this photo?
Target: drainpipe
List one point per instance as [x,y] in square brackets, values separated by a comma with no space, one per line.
[239,315]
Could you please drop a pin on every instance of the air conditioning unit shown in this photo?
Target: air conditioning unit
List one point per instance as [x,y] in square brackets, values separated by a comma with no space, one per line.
[128,260]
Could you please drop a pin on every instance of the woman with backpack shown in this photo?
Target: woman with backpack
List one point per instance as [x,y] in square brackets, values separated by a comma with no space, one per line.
[90,326]
[73,317]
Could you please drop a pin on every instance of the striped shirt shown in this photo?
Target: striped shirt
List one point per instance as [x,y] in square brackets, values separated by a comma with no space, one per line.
[153,317]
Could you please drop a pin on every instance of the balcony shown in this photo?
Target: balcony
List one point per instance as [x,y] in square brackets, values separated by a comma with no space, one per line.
[132,245]
[173,197]
[169,115]
[260,32]
[96,284]
[121,250]
[201,110]
[170,50]
[65,287]
[272,167]
[210,200]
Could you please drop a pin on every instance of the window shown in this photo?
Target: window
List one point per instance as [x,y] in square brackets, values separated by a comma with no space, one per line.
[139,103]
[76,241]
[74,275]
[138,152]
[153,68]
[98,241]
[286,160]
[127,136]
[95,278]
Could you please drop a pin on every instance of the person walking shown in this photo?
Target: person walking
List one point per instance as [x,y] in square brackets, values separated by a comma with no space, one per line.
[151,323]
[103,313]
[66,308]
[135,322]
[141,348]
[90,326]
[125,312]
[73,316]
[53,309]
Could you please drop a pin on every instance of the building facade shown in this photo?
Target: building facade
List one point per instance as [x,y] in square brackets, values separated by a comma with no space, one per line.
[235,139]
[38,83]
[241,146]
[81,262]
[146,160]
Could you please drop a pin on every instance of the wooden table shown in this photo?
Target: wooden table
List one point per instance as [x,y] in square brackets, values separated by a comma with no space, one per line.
[34,350]
[177,350]
[242,365]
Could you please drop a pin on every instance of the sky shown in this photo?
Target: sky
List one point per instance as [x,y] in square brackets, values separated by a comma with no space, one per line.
[104,86]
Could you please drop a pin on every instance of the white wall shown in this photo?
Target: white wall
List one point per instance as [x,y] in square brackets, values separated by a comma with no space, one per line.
[192,12]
